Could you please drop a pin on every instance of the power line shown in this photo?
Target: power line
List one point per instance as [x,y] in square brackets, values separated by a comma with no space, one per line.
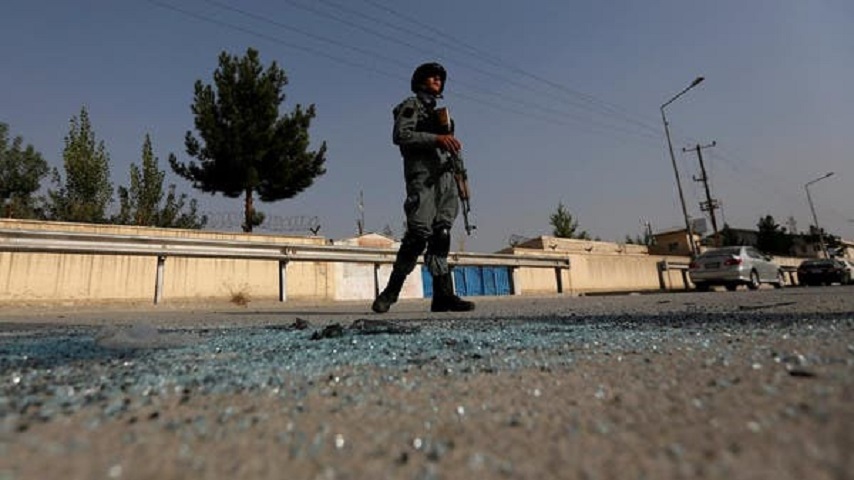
[484,56]
[548,114]
[305,33]
[370,53]
[439,38]
[761,180]
[336,58]
[270,38]
[640,130]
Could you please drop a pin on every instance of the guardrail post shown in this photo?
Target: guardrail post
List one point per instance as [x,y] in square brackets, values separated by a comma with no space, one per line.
[283,280]
[662,267]
[61,242]
[376,280]
[158,281]
[790,273]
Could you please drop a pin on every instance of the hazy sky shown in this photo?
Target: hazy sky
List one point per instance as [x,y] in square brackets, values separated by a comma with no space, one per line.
[555,101]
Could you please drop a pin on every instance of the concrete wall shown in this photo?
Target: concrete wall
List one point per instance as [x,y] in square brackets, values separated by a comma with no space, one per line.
[603,267]
[594,267]
[54,278]
[356,281]
[591,273]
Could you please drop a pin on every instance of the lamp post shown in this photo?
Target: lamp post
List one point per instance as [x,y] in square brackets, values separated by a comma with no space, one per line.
[673,161]
[814,217]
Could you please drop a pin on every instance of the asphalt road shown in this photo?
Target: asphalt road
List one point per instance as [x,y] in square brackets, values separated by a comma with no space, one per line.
[673,385]
[190,315]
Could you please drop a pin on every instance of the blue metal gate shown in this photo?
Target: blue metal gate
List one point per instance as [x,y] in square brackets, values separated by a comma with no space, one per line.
[473,281]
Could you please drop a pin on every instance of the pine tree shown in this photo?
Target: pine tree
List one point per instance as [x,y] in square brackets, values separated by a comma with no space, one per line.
[140,204]
[245,147]
[21,172]
[564,226]
[86,192]
[771,237]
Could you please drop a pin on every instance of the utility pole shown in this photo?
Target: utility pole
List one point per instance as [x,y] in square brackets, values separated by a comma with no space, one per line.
[360,222]
[710,205]
[814,217]
[688,228]
[647,231]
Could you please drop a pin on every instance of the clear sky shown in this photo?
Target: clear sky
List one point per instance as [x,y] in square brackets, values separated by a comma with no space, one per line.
[555,101]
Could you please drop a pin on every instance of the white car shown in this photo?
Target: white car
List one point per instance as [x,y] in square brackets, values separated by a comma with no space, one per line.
[734,266]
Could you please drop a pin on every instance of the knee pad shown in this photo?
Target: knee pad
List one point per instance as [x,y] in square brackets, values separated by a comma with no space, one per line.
[442,233]
[440,241]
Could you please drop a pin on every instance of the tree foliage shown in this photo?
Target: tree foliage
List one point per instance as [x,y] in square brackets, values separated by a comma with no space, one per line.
[86,192]
[245,147]
[772,238]
[728,237]
[22,170]
[174,215]
[645,239]
[564,225]
[142,202]
[816,235]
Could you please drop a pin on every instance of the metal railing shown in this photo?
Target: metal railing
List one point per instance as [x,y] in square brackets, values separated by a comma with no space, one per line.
[38,241]
[665,266]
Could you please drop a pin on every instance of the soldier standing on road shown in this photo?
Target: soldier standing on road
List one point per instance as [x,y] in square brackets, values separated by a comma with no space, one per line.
[432,201]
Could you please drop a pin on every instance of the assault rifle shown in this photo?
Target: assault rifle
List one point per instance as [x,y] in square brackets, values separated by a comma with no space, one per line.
[446,126]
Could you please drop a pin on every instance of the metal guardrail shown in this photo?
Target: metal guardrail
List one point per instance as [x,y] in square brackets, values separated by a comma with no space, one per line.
[665,266]
[792,272]
[39,241]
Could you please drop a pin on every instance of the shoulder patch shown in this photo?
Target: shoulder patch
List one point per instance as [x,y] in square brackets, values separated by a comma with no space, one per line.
[408,112]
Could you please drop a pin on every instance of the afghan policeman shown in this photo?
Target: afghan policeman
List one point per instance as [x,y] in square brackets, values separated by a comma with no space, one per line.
[432,201]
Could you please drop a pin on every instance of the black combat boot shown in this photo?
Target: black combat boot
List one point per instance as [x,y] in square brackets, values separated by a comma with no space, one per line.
[389,295]
[444,299]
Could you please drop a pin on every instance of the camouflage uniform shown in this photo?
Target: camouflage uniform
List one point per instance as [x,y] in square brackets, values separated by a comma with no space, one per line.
[432,201]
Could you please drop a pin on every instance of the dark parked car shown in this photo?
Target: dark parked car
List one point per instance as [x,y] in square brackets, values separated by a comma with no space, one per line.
[824,271]
[734,266]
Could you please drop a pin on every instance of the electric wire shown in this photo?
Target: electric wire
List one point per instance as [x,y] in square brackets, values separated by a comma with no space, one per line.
[270,38]
[351,13]
[583,122]
[481,55]
[547,114]
[469,91]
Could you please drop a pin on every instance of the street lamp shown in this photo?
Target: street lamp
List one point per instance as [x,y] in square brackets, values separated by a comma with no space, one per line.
[673,161]
[814,217]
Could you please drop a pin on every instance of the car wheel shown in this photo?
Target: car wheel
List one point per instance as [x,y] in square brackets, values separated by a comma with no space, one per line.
[731,287]
[780,280]
[702,287]
[754,280]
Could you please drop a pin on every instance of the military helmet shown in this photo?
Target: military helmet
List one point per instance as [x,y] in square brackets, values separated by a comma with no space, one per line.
[425,71]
